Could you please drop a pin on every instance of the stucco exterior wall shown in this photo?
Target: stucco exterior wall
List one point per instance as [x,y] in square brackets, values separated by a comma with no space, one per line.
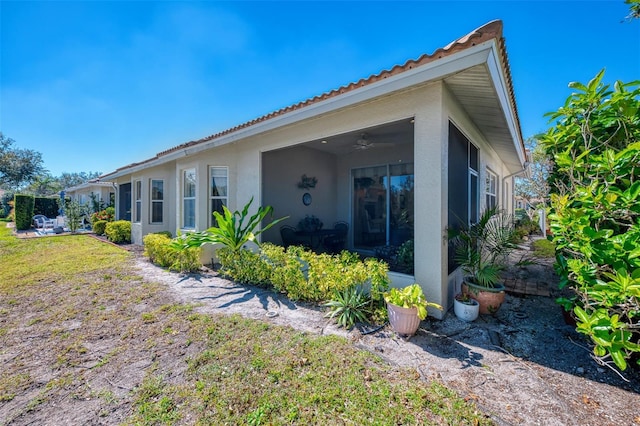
[259,167]
[282,170]
[166,173]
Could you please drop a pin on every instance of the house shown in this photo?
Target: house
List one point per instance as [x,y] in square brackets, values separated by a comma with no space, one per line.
[403,154]
[103,192]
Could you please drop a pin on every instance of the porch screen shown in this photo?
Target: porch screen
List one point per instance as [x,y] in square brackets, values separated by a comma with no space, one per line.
[463,199]
[383,205]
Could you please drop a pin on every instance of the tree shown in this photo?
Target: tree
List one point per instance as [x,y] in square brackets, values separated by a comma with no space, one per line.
[43,185]
[67,180]
[534,189]
[595,212]
[634,9]
[18,167]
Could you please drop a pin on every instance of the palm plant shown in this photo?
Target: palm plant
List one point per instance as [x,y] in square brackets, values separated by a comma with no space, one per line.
[482,249]
[349,306]
[231,231]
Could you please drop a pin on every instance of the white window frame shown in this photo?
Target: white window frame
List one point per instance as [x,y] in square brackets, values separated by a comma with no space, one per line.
[137,197]
[473,175]
[489,195]
[224,198]
[189,198]
[155,201]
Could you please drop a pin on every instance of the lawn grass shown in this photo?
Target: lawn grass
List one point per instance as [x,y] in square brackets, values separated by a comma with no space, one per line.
[87,341]
[544,248]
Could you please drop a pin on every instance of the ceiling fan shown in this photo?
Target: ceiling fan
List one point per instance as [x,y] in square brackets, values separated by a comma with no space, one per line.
[362,143]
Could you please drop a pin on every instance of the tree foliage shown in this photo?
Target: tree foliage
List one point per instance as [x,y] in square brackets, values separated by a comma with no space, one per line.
[534,189]
[18,167]
[634,9]
[595,216]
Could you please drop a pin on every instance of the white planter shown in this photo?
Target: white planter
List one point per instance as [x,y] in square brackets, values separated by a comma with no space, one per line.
[466,312]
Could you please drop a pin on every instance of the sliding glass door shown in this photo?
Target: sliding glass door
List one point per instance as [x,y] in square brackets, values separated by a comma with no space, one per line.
[382,205]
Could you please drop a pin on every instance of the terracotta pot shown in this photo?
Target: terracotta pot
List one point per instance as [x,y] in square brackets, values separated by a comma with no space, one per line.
[466,311]
[490,299]
[403,320]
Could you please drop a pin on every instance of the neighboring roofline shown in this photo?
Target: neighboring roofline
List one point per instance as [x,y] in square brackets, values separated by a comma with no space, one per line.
[92,182]
[479,37]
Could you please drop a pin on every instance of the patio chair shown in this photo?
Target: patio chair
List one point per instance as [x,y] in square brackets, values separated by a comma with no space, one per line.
[336,242]
[39,221]
[289,237]
[42,223]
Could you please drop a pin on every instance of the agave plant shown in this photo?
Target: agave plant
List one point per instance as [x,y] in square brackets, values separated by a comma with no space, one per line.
[233,230]
[349,306]
[482,249]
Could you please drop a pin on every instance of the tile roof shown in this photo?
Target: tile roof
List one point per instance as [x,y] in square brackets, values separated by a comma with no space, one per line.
[489,31]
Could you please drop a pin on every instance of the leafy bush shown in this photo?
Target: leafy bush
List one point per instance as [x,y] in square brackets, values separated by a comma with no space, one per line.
[76,213]
[544,248]
[165,233]
[525,227]
[245,266]
[119,231]
[23,210]
[6,204]
[595,212]
[302,274]
[107,215]
[160,252]
[45,206]
[99,227]
[404,258]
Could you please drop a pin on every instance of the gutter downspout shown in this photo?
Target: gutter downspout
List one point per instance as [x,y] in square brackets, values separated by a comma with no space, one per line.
[524,169]
[115,201]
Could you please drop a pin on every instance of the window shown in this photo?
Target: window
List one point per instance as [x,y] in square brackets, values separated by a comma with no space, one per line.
[138,198]
[157,200]
[189,199]
[463,184]
[473,184]
[218,191]
[491,189]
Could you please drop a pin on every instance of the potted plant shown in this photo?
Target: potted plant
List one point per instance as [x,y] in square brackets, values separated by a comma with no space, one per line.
[466,308]
[309,223]
[406,308]
[482,250]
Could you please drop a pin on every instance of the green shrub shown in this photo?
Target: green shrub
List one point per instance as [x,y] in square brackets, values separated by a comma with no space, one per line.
[544,248]
[6,204]
[119,231]
[23,211]
[302,274]
[245,266]
[595,212]
[158,248]
[165,233]
[46,206]
[107,214]
[99,227]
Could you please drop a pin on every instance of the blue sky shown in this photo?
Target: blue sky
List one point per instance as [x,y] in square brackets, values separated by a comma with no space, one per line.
[97,85]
